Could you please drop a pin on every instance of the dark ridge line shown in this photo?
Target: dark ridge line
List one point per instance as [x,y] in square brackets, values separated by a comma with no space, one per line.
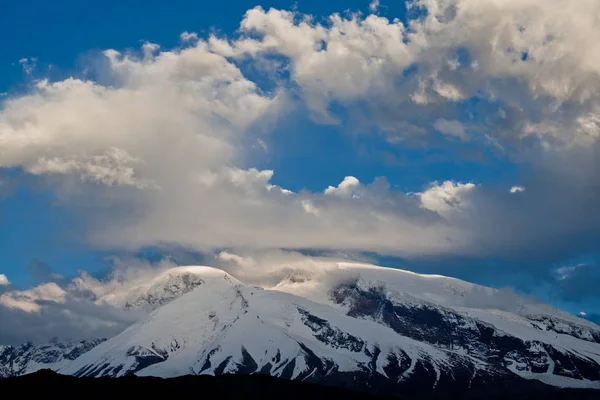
[231,386]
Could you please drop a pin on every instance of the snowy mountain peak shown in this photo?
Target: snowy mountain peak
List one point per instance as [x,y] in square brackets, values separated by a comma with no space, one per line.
[165,287]
[348,324]
[364,323]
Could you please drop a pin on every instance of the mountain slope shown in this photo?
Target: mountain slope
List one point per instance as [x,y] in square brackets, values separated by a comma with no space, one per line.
[344,324]
[533,340]
[29,357]
[226,326]
[150,294]
[371,327]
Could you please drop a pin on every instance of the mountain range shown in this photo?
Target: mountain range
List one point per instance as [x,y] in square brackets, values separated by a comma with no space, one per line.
[356,326]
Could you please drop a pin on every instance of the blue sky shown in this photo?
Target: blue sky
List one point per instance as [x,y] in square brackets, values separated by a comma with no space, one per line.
[48,218]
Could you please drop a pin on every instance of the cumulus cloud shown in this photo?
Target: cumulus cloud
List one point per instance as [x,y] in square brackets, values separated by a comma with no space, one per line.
[523,60]
[342,61]
[345,187]
[4,280]
[447,197]
[27,300]
[158,156]
[193,99]
[240,208]
[158,152]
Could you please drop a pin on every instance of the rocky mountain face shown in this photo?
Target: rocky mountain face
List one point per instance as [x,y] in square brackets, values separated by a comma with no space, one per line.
[449,329]
[367,328]
[30,357]
[160,290]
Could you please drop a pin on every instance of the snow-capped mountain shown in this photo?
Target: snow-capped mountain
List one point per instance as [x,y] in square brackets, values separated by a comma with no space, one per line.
[29,357]
[153,293]
[346,324]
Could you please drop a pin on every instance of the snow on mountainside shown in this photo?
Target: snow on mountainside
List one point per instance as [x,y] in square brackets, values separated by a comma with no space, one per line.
[160,290]
[435,289]
[345,324]
[29,357]
[229,327]
[361,324]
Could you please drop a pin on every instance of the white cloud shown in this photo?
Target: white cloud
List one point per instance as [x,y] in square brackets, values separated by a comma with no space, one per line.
[125,274]
[447,197]
[28,300]
[270,269]
[162,145]
[355,58]
[189,36]
[239,208]
[232,258]
[309,207]
[537,59]
[4,280]
[114,167]
[184,106]
[374,6]
[517,189]
[157,153]
[192,100]
[345,188]
[74,310]
[28,64]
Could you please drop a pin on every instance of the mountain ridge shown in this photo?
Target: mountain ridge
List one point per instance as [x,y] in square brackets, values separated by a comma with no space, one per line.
[262,386]
[359,327]
[30,357]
